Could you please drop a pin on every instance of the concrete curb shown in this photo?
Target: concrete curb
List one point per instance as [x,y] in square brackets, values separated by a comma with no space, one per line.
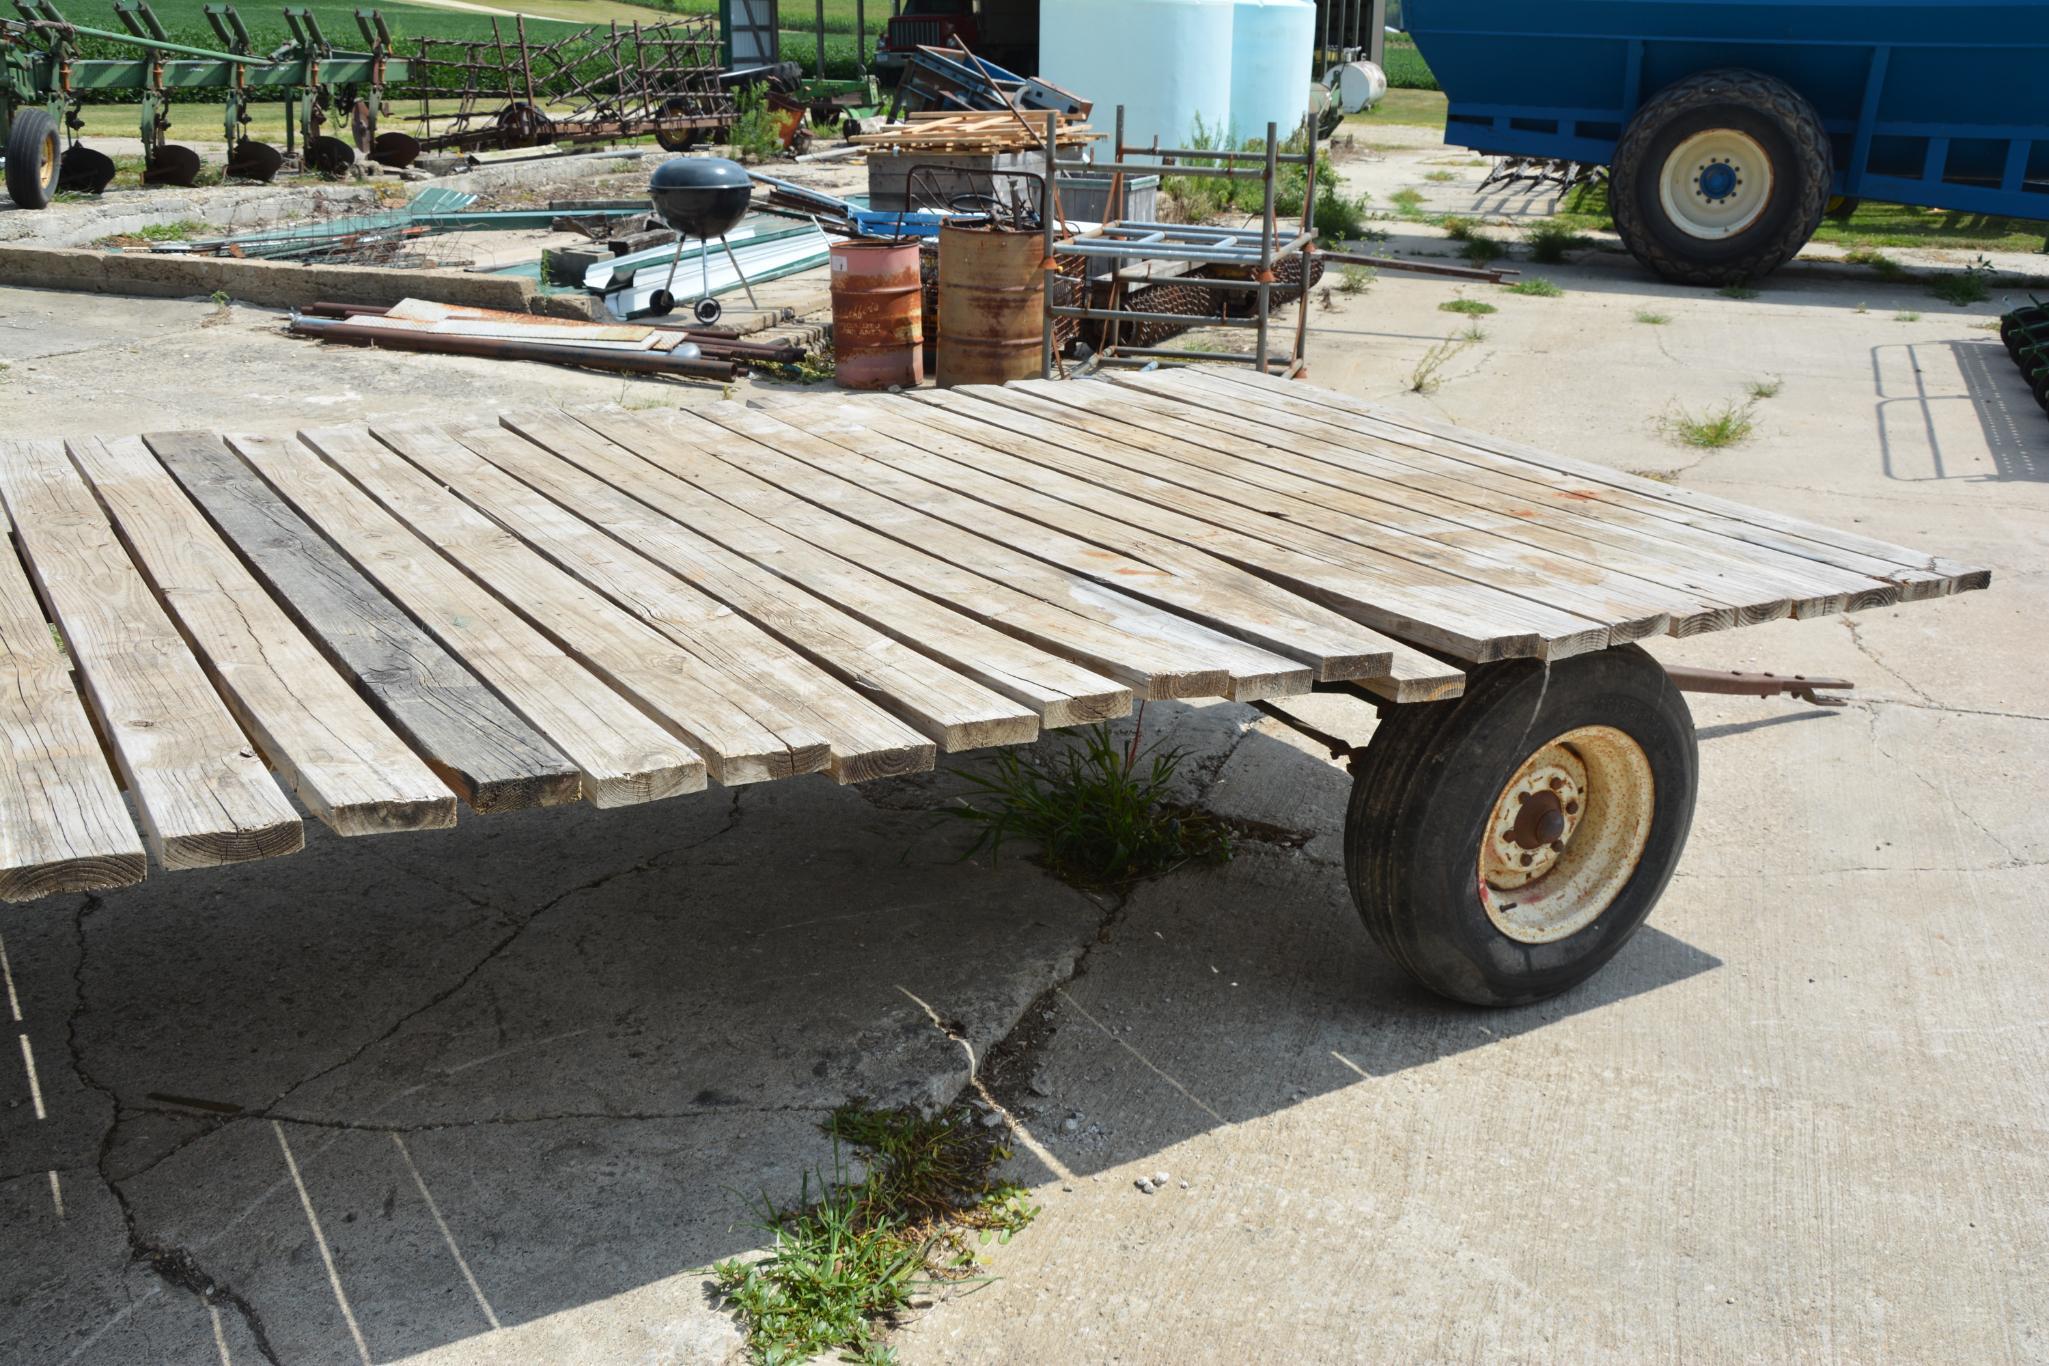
[275,284]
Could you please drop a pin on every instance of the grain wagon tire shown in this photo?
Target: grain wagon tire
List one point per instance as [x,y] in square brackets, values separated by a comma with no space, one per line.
[1504,845]
[1721,178]
[34,156]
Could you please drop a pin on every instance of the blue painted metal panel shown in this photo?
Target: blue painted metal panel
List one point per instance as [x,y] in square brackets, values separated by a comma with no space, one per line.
[1945,105]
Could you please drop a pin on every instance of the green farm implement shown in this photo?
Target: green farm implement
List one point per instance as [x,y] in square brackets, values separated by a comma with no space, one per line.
[45,81]
[599,83]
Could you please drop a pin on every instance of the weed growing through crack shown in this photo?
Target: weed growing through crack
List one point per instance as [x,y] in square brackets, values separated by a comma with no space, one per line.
[1972,285]
[1723,425]
[1472,308]
[1761,389]
[1906,315]
[1536,287]
[1408,203]
[842,1266]
[1356,279]
[1481,249]
[1425,378]
[1473,333]
[1440,177]
[1650,319]
[1550,243]
[1098,810]
[1738,291]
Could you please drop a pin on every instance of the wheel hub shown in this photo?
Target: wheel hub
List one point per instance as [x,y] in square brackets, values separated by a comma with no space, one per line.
[1716,183]
[1566,834]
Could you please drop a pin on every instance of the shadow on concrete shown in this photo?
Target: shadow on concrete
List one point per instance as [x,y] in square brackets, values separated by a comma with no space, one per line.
[2016,429]
[535,1071]
[1729,728]
[1225,995]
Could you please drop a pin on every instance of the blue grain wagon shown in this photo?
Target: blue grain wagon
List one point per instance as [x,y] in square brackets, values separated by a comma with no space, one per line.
[1727,125]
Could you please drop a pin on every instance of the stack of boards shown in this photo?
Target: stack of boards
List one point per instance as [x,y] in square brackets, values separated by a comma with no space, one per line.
[618,607]
[1002,131]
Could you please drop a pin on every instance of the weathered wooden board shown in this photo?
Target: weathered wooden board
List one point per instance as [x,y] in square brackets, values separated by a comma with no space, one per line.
[203,796]
[479,746]
[743,737]
[327,746]
[63,825]
[623,757]
[1103,628]
[864,741]
[944,673]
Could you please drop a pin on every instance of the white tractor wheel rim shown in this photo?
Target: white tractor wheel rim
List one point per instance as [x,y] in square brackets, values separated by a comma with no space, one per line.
[1716,183]
[1566,834]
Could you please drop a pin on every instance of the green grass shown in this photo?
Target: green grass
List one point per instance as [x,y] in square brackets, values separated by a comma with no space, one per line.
[1536,287]
[1885,267]
[1471,308]
[1356,279]
[1871,227]
[1966,287]
[1097,809]
[1472,332]
[1906,315]
[842,1267]
[1737,292]
[1440,177]
[1408,203]
[1761,389]
[1650,319]
[1551,242]
[1401,108]
[1723,425]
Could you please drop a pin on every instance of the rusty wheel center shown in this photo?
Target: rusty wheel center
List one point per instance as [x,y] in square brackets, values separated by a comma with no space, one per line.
[1566,834]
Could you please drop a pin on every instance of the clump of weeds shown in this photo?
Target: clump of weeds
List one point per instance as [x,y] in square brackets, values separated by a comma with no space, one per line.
[1971,285]
[1536,287]
[1650,319]
[850,1256]
[1551,242]
[1098,810]
[1472,308]
[1725,424]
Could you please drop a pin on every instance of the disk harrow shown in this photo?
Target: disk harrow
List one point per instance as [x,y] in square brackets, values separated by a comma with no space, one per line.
[599,83]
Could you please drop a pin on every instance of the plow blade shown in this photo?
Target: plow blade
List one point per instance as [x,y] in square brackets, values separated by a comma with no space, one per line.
[172,165]
[84,171]
[330,156]
[395,149]
[253,161]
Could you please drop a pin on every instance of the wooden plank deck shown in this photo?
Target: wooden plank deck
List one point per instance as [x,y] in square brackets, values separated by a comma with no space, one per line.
[527,608]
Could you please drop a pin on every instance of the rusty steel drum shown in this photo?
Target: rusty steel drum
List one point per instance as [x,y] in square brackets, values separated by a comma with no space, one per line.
[992,303]
[878,325]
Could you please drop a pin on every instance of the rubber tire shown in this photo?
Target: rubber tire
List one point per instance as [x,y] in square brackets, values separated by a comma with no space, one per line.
[1426,786]
[29,183]
[1782,122]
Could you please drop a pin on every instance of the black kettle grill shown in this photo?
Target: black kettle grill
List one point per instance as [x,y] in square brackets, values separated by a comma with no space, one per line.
[701,198]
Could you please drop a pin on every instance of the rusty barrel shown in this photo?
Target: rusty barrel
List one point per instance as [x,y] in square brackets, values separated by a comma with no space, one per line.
[878,325]
[992,301]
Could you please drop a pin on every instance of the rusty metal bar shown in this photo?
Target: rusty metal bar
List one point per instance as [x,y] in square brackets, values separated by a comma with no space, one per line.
[1734,683]
[1484,276]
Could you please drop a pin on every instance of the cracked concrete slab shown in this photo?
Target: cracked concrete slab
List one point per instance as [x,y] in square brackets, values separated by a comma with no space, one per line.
[368,1105]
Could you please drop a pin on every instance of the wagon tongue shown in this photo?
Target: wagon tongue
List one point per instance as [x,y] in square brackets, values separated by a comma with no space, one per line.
[395,149]
[84,171]
[172,165]
[252,160]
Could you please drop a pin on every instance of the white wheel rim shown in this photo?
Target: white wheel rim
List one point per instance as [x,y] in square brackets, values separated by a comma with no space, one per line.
[1716,183]
[1566,834]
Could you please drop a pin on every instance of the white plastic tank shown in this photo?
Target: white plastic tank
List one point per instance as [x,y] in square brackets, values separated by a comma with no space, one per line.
[1272,52]
[1168,62]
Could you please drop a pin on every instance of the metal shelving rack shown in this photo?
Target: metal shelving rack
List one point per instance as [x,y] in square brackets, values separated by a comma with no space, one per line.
[1123,242]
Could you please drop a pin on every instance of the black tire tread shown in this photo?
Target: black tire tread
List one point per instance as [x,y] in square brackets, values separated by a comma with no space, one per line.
[1765,94]
[25,183]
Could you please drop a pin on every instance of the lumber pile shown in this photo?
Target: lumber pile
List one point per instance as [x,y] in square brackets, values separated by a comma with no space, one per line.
[995,131]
